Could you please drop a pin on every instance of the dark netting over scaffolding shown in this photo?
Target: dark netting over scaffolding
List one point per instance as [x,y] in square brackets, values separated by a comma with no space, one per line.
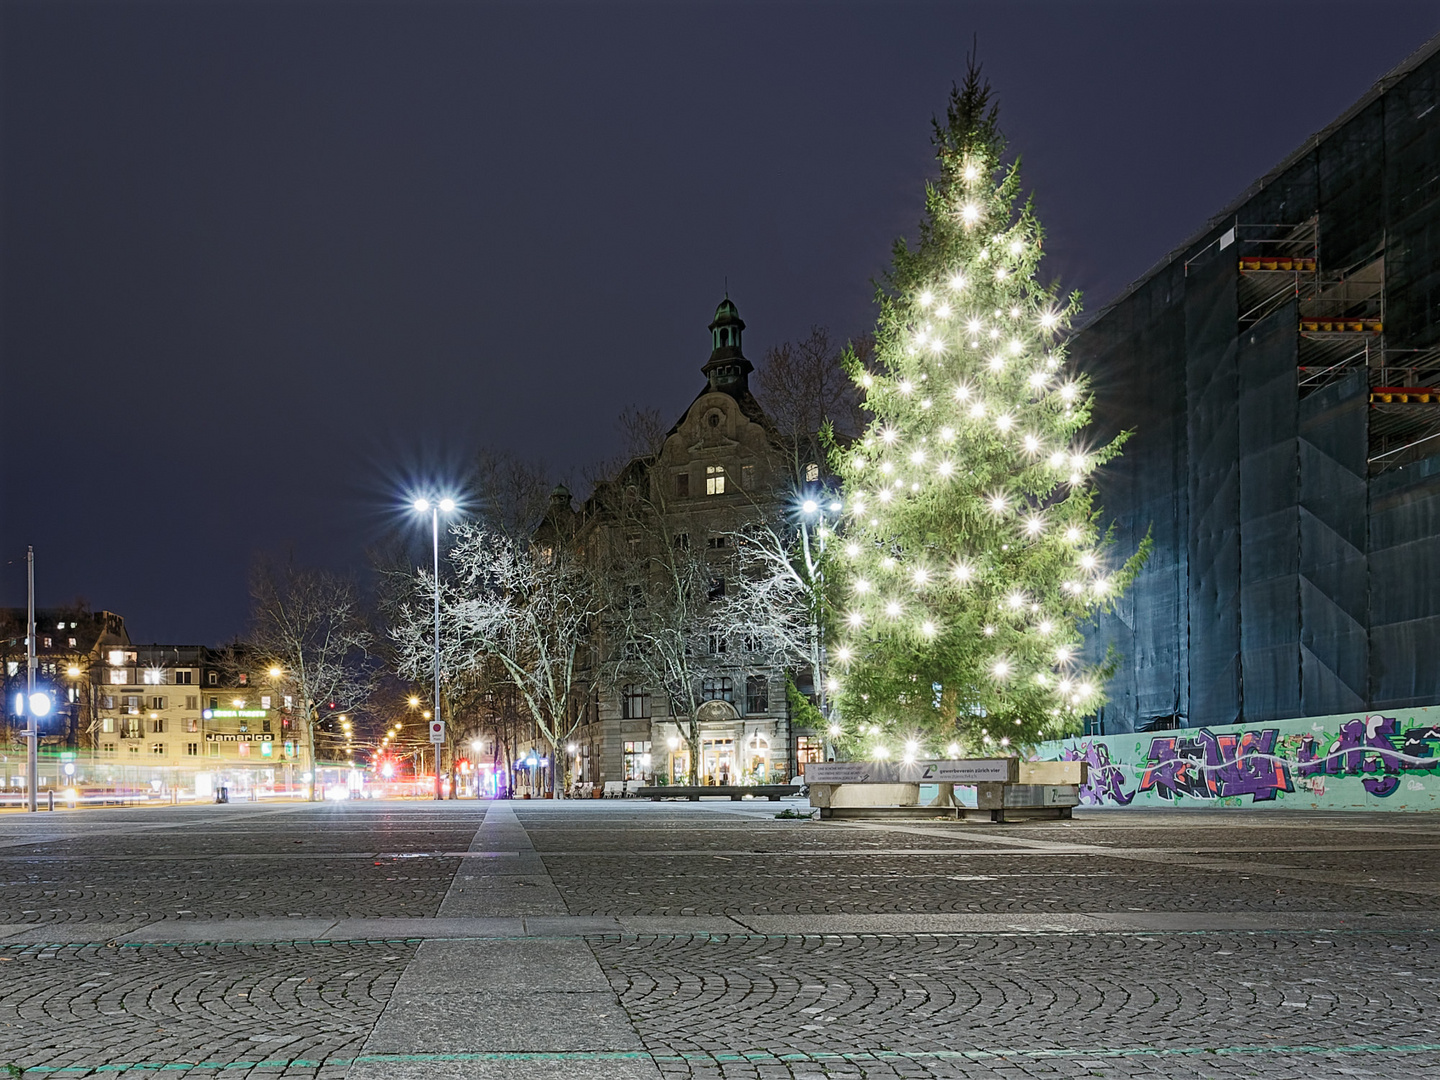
[1281,375]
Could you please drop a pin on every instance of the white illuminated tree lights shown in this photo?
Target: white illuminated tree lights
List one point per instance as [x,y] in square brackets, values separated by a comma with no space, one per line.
[972,547]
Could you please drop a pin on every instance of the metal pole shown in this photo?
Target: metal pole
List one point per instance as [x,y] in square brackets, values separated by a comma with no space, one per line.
[32,731]
[435,537]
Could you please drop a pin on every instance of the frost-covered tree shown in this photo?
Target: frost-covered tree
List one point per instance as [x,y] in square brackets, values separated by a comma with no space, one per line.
[525,608]
[972,550]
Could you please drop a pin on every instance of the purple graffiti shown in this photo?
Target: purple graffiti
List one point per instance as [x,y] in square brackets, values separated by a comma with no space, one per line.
[1210,766]
[1366,746]
[1104,778]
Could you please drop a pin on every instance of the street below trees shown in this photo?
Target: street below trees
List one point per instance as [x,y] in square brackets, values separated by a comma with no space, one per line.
[619,938]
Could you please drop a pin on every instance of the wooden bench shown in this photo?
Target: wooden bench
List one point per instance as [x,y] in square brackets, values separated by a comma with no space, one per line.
[735,792]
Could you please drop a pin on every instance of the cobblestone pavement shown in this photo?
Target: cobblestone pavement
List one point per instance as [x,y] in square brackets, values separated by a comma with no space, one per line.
[379,940]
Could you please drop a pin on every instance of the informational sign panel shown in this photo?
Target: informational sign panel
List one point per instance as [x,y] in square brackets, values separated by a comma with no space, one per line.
[969,771]
[437,731]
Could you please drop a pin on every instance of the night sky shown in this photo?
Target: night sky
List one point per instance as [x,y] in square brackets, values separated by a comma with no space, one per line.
[264,268]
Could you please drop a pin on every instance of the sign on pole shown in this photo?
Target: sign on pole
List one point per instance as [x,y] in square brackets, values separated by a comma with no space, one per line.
[437,731]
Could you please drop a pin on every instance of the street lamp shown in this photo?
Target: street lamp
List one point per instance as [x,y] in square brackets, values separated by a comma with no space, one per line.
[814,566]
[435,507]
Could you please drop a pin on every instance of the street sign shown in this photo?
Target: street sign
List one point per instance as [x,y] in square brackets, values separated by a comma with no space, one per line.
[437,731]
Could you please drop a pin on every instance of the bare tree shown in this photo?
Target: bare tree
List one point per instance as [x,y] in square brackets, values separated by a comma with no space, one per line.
[528,608]
[511,494]
[803,386]
[309,625]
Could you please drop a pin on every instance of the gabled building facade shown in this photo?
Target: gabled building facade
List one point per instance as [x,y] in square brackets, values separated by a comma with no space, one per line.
[719,468]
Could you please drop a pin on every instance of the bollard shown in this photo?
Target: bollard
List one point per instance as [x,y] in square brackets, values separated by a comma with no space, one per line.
[50,798]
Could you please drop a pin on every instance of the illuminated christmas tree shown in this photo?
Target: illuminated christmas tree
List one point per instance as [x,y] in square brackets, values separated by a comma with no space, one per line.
[972,551]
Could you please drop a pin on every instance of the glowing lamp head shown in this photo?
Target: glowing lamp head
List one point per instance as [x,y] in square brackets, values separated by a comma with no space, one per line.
[422,506]
[275,673]
[809,506]
[73,671]
[447,505]
[40,704]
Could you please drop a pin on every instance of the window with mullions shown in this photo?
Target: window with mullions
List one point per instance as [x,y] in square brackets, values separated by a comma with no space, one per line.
[718,690]
[714,479]
[634,702]
[757,694]
[637,760]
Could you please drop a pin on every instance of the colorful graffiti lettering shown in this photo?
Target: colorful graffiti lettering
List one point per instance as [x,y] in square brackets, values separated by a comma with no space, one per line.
[1105,780]
[1264,763]
[1364,747]
[1210,766]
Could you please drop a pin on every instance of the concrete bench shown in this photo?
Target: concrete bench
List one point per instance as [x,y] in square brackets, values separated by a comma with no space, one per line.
[735,792]
[1006,789]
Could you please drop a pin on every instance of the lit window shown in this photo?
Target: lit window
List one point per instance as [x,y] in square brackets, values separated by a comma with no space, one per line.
[812,472]
[117,677]
[637,759]
[714,479]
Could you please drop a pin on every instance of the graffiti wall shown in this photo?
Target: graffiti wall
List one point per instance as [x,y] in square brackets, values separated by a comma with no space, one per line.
[1385,761]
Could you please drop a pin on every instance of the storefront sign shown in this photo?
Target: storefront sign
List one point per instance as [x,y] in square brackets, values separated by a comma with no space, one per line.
[220,736]
[233,714]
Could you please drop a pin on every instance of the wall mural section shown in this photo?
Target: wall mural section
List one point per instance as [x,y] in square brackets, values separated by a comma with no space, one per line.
[1379,761]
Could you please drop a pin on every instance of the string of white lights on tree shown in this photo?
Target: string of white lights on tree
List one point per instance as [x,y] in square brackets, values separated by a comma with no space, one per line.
[971,550]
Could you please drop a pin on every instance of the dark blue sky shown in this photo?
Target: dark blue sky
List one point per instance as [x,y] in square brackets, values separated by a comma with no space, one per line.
[264,265]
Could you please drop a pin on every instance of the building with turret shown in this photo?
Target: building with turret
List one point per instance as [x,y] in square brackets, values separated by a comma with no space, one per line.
[718,468]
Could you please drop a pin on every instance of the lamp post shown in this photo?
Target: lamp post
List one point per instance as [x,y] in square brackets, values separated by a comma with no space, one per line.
[815,572]
[435,507]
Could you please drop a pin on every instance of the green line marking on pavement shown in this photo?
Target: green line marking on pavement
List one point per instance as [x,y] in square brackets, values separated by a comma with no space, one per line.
[750,1056]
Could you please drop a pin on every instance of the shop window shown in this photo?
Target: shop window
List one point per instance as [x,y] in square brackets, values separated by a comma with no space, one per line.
[718,690]
[634,702]
[809,748]
[757,694]
[637,760]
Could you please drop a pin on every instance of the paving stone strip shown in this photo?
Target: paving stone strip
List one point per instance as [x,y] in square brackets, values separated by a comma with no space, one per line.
[488,1000]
